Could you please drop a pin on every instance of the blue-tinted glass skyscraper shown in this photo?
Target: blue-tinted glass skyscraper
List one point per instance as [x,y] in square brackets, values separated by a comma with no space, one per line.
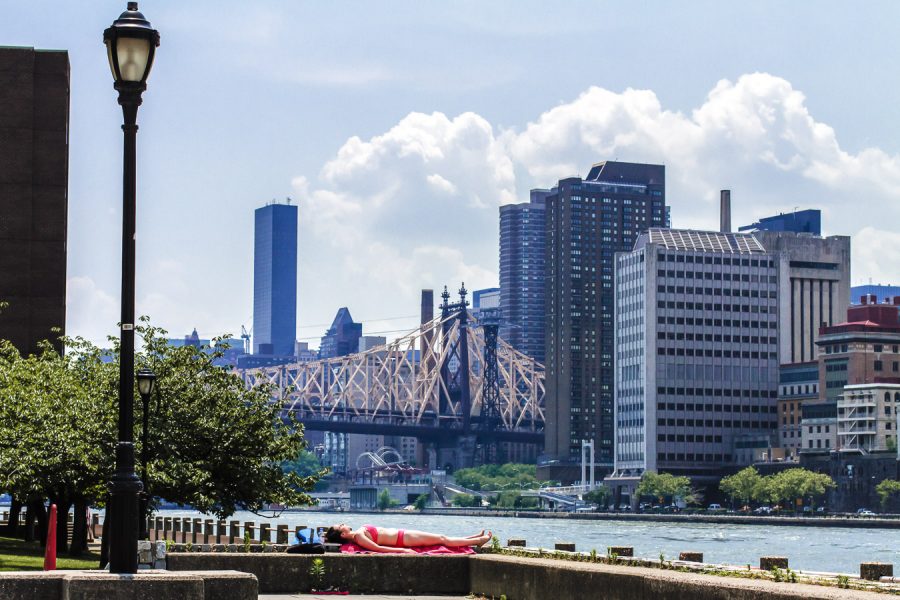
[275,280]
[801,221]
[522,273]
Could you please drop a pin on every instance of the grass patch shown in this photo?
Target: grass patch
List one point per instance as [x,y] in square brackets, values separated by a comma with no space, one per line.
[16,555]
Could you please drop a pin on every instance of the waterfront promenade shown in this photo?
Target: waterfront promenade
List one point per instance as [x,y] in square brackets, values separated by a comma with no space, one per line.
[812,548]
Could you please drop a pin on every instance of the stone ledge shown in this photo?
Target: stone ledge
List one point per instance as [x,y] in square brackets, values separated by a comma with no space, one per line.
[381,573]
[146,585]
[528,579]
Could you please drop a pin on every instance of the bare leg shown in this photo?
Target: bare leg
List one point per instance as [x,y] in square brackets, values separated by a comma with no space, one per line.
[411,538]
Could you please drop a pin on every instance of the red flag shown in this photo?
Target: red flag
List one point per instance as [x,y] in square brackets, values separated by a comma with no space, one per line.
[50,552]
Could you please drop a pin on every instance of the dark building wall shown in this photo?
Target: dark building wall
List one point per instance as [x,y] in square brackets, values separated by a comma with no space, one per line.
[34,170]
[275,280]
[587,222]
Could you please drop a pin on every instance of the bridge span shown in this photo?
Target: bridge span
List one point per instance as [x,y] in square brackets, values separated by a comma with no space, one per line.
[452,377]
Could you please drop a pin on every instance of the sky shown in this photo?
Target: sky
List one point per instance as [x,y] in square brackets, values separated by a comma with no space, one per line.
[400,127]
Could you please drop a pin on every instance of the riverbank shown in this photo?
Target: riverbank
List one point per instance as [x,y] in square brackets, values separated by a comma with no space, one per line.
[734,519]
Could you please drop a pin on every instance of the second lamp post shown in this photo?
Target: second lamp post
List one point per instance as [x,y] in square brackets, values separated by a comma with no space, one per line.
[146,380]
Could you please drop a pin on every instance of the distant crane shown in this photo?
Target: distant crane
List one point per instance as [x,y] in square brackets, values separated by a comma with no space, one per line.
[245,335]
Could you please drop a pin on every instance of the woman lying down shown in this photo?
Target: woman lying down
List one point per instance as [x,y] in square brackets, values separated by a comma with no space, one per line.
[399,541]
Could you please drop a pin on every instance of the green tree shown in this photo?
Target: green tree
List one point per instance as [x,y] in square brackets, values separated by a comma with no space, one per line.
[886,489]
[384,500]
[793,485]
[599,495]
[308,464]
[742,485]
[215,444]
[421,502]
[466,500]
[498,477]
[665,485]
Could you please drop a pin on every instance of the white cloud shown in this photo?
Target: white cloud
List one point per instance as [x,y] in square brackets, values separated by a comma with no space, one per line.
[91,312]
[417,205]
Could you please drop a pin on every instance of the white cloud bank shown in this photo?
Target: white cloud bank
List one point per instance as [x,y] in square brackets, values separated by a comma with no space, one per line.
[417,206]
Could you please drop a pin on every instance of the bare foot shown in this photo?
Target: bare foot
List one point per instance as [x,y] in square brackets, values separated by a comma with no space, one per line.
[484,539]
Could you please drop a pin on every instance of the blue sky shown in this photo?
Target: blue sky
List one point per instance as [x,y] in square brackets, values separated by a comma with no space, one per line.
[399,127]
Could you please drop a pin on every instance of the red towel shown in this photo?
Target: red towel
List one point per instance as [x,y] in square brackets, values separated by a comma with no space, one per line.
[429,550]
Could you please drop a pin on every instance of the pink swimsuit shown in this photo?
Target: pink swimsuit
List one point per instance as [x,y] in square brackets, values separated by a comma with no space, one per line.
[373,533]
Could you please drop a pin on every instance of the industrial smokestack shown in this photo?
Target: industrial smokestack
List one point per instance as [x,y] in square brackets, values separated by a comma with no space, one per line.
[725,211]
[426,316]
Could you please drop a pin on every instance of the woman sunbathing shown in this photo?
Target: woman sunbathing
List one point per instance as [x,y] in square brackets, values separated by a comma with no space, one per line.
[398,541]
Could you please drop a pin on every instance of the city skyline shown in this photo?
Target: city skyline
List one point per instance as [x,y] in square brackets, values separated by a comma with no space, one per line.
[765,122]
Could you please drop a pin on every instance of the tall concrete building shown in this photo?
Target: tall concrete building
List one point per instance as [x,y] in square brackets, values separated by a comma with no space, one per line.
[522,271]
[587,221]
[34,171]
[696,351]
[814,288]
[275,280]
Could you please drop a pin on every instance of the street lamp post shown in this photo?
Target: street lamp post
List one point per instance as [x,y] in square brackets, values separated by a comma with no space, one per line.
[130,44]
[146,383]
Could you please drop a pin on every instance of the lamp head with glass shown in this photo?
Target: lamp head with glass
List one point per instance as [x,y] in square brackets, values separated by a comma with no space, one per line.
[130,45]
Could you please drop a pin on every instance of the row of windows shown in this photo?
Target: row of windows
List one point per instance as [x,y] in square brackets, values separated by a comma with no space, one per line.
[718,423]
[708,439]
[716,322]
[710,337]
[680,407]
[728,393]
[719,307]
[715,260]
[732,292]
[693,457]
[716,353]
[716,276]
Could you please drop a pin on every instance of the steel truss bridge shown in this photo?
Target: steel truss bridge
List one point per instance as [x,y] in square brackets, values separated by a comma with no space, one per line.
[451,377]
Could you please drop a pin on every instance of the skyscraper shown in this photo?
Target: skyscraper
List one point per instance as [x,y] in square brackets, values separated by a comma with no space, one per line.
[522,247]
[275,280]
[587,222]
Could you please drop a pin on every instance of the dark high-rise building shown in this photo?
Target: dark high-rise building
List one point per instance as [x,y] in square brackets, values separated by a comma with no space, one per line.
[588,221]
[34,173]
[522,247]
[342,338]
[801,221]
[275,280]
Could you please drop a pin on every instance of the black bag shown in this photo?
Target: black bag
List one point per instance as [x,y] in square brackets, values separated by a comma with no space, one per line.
[309,548]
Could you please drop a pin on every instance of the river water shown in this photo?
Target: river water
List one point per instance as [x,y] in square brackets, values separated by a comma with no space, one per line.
[831,549]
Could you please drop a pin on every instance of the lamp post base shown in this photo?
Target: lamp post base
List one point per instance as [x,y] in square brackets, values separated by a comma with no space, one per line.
[124,491]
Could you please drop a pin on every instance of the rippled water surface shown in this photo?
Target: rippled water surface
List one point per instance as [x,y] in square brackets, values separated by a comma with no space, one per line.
[811,548]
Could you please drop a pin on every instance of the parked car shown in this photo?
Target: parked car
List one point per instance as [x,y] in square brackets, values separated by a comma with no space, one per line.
[714,506]
[865,512]
[763,510]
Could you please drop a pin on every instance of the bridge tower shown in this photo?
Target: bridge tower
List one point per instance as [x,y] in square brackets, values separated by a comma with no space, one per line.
[490,451]
[456,376]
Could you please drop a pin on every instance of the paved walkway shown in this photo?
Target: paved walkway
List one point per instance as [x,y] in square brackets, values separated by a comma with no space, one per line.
[356,597]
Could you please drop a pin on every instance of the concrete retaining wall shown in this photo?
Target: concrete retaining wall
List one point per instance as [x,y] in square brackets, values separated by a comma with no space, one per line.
[381,573]
[493,575]
[531,579]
